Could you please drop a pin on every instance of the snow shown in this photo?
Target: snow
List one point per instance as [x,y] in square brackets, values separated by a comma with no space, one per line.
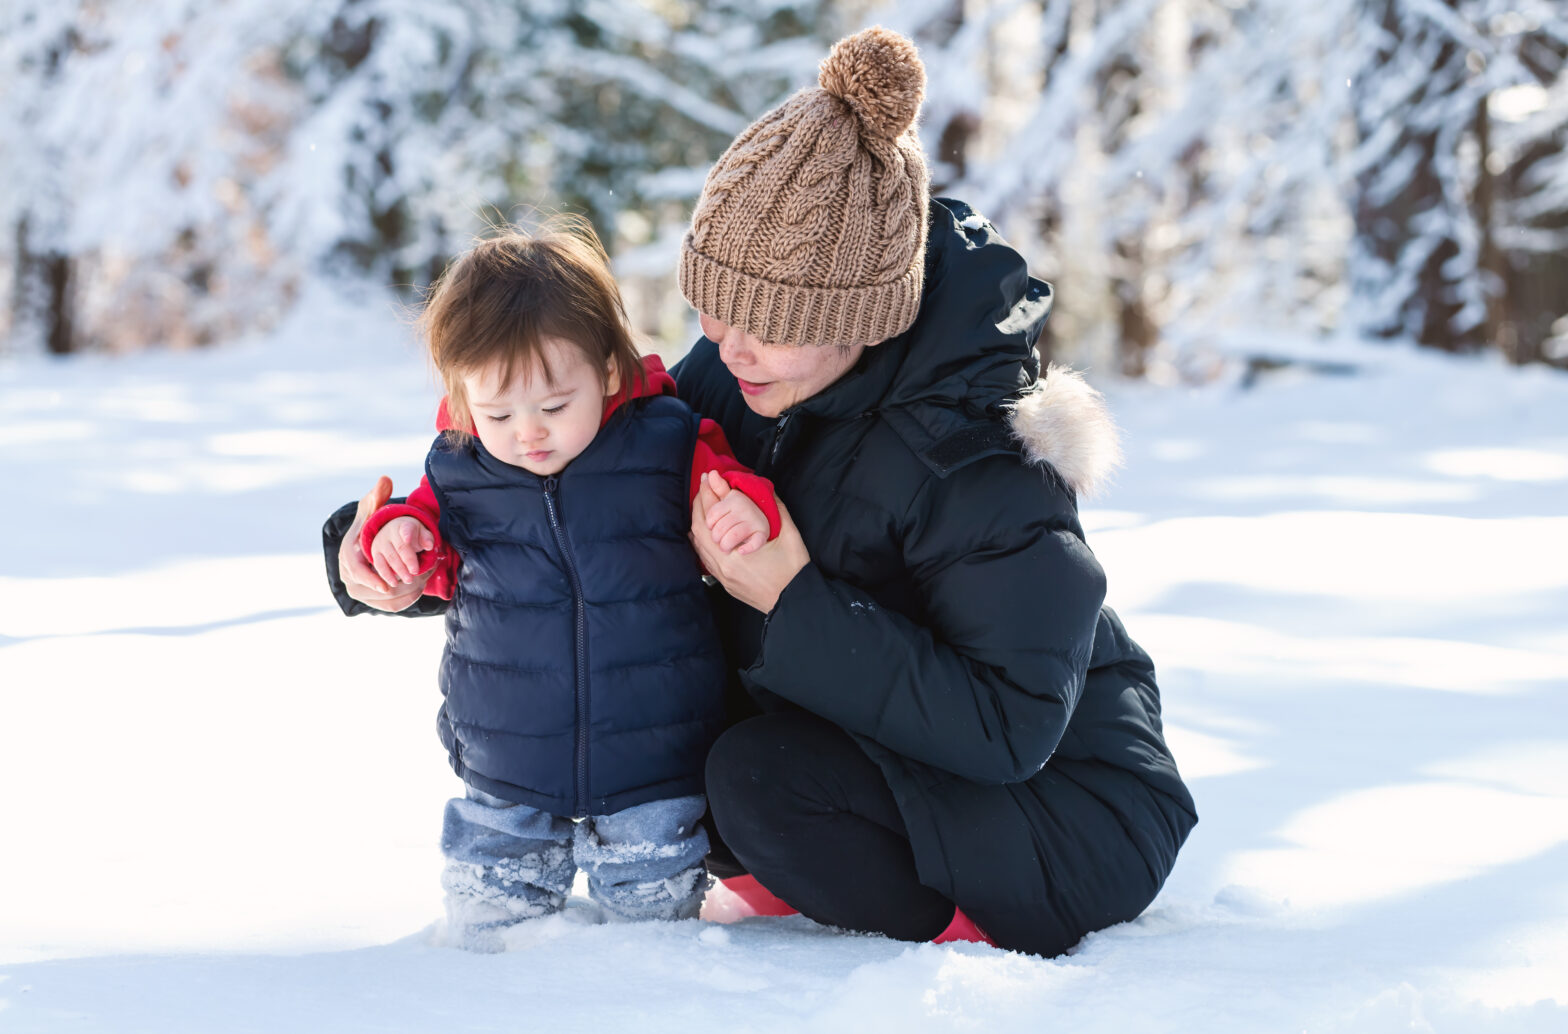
[223,798]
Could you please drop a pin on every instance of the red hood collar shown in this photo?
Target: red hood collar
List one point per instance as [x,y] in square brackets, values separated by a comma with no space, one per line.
[655,381]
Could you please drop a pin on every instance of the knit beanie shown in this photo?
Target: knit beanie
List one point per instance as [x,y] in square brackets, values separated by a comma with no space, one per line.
[811,229]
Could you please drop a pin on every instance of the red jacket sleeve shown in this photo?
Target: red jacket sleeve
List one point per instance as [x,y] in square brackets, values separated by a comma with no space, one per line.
[423,507]
[713,453]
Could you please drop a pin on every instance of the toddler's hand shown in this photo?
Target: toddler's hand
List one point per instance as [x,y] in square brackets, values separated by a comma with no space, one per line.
[395,550]
[735,522]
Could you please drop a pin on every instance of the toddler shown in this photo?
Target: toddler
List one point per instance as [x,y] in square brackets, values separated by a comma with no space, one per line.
[582,677]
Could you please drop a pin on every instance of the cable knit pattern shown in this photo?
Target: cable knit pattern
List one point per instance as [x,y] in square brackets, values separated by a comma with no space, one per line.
[811,227]
[739,162]
[904,206]
[808,211]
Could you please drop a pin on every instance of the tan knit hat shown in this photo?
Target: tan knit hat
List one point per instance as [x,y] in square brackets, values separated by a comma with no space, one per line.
[811,229]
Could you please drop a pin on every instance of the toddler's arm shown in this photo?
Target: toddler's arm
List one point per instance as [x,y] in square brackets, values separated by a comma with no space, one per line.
[713,457]
[735,522]
[416,548]
[395,551]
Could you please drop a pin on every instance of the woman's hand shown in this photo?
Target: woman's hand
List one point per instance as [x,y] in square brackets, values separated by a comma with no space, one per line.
[756,579]
[359,577]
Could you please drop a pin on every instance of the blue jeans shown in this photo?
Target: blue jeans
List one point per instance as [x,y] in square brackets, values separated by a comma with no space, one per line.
[509,862]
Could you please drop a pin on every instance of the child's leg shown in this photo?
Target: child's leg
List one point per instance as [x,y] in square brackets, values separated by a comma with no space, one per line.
[646,862]
[505,862]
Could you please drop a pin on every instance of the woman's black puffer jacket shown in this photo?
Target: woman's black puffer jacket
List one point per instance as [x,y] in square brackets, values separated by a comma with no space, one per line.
[951,617]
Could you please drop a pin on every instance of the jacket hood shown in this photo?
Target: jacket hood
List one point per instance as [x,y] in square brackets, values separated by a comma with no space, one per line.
[969,360]
[1061,421]
[655,381]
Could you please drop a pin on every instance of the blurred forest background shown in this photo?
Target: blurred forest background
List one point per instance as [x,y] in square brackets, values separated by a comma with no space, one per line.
[174,172]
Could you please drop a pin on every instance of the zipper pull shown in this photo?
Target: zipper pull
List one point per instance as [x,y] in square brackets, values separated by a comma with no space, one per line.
[549,483]
[778,437]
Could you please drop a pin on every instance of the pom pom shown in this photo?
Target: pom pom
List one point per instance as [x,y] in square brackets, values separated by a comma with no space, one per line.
[878,74]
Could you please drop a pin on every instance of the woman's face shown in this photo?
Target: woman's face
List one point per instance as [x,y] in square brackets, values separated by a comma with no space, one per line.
[775,377]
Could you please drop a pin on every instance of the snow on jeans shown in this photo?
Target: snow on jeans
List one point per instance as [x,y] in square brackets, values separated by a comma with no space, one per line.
[507,862]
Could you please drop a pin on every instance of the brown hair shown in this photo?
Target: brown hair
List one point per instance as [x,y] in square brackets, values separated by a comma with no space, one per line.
[501,300]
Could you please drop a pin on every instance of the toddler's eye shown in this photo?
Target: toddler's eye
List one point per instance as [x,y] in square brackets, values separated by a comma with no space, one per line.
[552,410]
[496,419]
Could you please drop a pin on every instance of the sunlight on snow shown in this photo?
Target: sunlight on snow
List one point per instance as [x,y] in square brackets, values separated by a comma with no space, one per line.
[1533,766]
[1536,965]
[148,402]
[189,596]
[263,785]
[1338,489]
[1101,520]
[962,989]
[1500,464]
[1340,432]
[1178,450]
[1204,756]
[36,432]
[1219,647]
[251,460]
[1390,840]
[1416,558]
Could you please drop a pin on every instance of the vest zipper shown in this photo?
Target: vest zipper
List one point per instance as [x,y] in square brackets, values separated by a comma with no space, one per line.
[580,642]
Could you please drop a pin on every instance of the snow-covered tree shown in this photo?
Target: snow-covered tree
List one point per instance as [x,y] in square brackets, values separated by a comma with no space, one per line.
[34,207]
[649,95]
[177,169]
[138,130]
[184,164]
[1177,164]
[1524,186]
[1453,204]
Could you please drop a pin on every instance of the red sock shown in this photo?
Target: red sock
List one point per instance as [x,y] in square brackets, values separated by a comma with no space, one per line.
[962,928]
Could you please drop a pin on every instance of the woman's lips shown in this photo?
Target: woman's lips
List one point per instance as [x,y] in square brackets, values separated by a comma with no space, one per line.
[751,389]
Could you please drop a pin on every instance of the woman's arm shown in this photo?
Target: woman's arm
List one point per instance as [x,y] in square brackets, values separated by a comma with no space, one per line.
[713,454]
[354,583]
[983,685]
[437,564]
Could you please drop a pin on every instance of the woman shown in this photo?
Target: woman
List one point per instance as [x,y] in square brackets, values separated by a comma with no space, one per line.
[939,720]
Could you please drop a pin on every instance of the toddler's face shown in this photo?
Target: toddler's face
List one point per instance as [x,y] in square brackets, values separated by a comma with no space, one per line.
[533,424]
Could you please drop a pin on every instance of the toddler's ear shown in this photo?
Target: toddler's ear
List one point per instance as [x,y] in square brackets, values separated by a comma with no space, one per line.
[612,382]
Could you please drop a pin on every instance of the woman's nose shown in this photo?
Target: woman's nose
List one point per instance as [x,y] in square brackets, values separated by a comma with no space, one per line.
[732,347]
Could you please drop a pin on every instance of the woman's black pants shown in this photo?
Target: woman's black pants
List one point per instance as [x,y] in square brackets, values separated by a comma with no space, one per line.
[802,808]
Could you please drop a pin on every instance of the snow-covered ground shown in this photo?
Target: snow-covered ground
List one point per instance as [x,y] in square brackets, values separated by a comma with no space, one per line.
[221,798]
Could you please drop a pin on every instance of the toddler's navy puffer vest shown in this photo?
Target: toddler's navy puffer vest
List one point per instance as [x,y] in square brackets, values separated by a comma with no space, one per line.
[582,672]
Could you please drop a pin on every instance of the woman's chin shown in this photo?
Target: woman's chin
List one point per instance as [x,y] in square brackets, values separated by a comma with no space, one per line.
[761,405]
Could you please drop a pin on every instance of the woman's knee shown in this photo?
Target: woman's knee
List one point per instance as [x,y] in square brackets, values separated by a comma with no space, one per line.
[765,750]
[770,764]
[738,764]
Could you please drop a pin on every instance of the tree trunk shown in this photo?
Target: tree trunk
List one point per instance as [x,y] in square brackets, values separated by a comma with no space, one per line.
[1499,328]
[1534,280]
[1401,233]
[57,278]
[42,294]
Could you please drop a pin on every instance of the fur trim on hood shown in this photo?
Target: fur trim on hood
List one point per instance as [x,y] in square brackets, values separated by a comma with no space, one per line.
[1063,422]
